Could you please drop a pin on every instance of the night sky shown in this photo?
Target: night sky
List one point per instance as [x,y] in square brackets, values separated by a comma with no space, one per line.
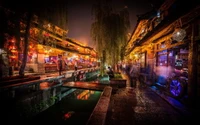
[80,13]
[80,17]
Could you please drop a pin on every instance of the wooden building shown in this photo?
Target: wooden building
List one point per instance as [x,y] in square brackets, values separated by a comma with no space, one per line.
[46,42]
[52,41]
[166,42]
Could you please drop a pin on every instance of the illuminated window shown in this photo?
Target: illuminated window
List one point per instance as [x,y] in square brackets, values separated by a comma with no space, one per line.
[162,58]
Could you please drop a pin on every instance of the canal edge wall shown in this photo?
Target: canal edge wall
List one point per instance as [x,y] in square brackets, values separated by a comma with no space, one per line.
[98,115]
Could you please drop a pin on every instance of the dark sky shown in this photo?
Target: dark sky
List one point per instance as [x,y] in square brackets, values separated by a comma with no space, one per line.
[80,17]
[80,13]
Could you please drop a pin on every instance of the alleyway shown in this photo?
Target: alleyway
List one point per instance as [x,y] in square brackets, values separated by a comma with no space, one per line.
[139,105]
[142,106]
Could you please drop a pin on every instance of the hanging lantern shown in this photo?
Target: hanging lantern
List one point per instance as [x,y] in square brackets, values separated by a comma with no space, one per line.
[13,50]
[11,47]
[47,48]
[12,56]
[30,53]
[179,34]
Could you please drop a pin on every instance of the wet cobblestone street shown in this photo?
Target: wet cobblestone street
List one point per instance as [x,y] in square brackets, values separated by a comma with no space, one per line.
[142,106]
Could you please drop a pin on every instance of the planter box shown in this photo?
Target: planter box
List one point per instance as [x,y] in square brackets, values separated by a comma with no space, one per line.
[118,82]
[103,79]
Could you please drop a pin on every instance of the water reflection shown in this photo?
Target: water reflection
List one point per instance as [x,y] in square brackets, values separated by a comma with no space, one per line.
[75,107]
[68,115]
[85,94]
[82,94]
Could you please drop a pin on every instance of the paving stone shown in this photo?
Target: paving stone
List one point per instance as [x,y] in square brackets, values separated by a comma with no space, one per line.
[97,119]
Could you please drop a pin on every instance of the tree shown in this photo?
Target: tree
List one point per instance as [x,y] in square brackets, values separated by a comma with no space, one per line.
[58,17]
[53,12]
[109,31]
[26,43]
[10,28]
[3,30]
[3,26]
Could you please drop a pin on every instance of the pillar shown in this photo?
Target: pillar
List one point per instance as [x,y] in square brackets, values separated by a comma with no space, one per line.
[192,68]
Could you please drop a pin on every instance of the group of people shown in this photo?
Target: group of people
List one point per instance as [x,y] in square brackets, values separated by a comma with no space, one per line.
[61,63]
[131,70]
[110,72]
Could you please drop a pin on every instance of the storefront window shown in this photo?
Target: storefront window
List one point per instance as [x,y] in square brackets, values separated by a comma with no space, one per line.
[162,58]
[171,58]
[142,60]
[174,58]
[50,59]
[182,59]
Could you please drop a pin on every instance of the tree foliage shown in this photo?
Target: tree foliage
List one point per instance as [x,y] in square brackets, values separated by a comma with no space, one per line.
[109,31]
[54,12]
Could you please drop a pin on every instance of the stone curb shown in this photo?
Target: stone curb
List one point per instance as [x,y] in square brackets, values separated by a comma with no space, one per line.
[98,115]
[173,102]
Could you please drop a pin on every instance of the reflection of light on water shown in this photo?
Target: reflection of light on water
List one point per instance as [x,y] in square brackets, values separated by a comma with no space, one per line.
[44,85]
[92,92]
[175,87]
[85,95]
[68,115]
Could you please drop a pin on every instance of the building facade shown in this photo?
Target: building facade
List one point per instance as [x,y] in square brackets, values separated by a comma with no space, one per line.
[46,42]
[166,42]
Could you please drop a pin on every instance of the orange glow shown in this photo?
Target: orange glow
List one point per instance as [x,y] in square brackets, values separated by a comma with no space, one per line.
[82,94]
[30,46]
[85,94]
[46,55]
[13,57]
[87,57]
[14,51]
[86,97]
[45,51]
[12,47]
[12,40]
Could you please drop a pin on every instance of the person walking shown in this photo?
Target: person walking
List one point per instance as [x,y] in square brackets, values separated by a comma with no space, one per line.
[75,66]
[110,72]
[133,75]
[60,65]
[2,64]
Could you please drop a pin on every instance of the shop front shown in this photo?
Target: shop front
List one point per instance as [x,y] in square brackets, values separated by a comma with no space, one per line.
[171,69]
[172,49]
[48,57]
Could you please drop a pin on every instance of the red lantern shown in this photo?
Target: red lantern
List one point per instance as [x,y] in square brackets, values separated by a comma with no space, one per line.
[13,50]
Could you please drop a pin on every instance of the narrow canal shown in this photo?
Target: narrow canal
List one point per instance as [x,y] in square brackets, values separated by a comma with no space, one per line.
[75,107]
[52,102]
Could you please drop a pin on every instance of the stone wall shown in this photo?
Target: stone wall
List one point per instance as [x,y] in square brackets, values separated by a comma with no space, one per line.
[98,115]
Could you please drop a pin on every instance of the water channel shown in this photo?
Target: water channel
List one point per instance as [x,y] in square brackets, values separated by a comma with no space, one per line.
[75,107]
[51,103]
